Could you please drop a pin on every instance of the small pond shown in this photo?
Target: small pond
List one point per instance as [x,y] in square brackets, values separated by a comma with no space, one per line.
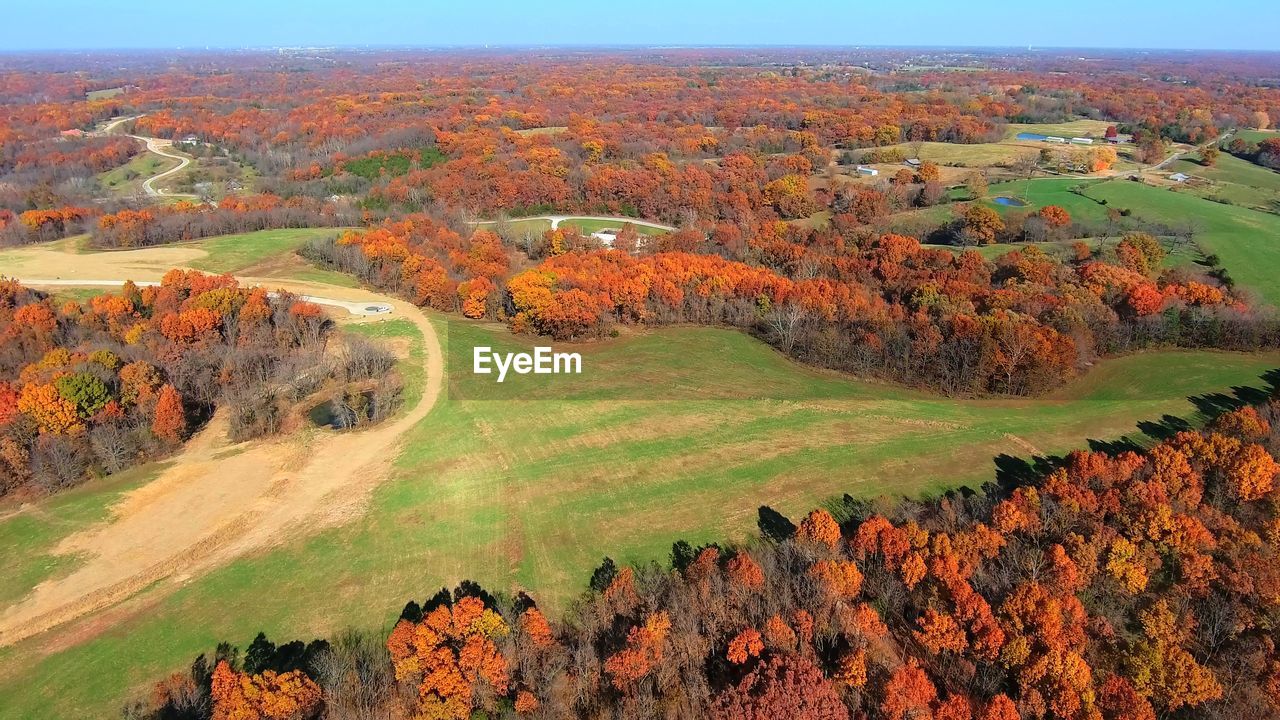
[1011,202]
[1032,136]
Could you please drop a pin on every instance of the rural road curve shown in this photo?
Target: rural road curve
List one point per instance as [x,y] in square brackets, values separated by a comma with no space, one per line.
[217,500]
[159,147]
[355,308]
[557,219]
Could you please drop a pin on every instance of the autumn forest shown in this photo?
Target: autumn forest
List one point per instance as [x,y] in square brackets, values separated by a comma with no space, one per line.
[867,334]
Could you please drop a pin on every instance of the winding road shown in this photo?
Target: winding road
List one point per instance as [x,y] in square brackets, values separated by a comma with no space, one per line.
[557,219]
[161,147]
[216,500]
[158,146]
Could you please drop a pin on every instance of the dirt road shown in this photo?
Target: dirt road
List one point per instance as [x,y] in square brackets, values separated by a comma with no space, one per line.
[557,219]
[217,500]
[160,147]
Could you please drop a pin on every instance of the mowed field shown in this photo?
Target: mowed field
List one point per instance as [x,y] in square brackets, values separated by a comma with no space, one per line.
[539,225]
[1246,240]
[1257,136]
[678,433]
[126,180]
[976,155]
[262,254]
[1235,181]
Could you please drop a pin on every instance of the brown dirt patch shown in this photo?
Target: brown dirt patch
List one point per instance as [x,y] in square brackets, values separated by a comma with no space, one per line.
[217,500]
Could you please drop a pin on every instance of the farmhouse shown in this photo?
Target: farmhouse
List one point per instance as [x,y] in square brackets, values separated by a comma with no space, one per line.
[869,171]
[1081,141]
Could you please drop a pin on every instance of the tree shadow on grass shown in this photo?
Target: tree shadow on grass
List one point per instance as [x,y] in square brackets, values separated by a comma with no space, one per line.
[1164,428]
[1012,472]
[774,525]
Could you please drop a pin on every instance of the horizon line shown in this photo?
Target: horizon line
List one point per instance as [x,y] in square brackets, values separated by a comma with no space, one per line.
[614,46]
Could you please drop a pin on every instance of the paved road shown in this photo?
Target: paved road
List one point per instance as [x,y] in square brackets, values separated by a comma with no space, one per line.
[1184,153]
[159,146]
[557,219]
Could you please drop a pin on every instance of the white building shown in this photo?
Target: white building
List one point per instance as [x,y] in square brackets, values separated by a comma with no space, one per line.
[1179,177]
[1081,141]
[869,171]
[1056,139]
[914,162]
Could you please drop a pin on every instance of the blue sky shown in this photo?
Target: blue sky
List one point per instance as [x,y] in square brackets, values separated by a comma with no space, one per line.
[91,24]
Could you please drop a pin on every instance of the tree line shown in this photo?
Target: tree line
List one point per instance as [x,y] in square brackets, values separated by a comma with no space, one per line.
[96,387]
[1123,585]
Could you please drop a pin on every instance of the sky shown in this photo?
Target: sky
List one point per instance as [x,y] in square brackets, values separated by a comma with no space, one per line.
[99,24]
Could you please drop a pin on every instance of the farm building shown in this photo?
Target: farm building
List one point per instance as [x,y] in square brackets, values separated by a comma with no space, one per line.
[1055,139]
[914,162]
[1179,177]
[869,171]
[1081,141]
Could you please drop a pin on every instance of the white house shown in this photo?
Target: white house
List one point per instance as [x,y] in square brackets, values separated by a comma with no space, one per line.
[1081,141]
[869,171]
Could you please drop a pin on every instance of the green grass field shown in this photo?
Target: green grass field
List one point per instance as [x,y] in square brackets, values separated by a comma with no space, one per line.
[38,530]
[1074,128]
[237,253]
[975,155]
[1246,241]
[106,94]
[586,226]
[1256,136]
[1047,191]
[127,179]
[519,227]
[1236,181]
[528,489]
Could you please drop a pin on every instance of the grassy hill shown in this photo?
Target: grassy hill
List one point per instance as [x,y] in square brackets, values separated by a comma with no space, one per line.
[1235,181]
[529,486]
[1246,240]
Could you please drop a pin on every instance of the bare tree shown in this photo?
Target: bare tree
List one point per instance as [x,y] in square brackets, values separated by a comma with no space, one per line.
[1025,164]
[784,324]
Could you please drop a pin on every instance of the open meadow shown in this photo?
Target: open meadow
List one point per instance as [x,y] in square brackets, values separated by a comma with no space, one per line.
[527,487]
[1243,238]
